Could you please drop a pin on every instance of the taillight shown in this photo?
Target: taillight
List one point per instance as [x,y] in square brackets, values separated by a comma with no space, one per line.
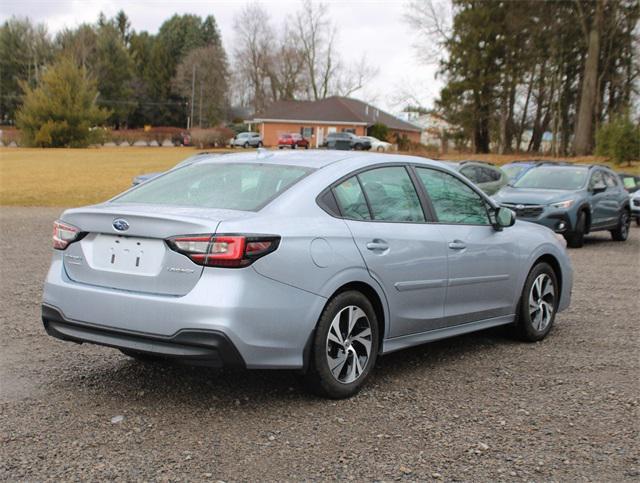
[231,251]
[64,234]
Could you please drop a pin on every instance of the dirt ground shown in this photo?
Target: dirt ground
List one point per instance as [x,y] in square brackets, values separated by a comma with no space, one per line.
[474,408]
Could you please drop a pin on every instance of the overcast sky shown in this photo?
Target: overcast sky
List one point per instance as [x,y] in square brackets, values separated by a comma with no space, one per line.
[371,27]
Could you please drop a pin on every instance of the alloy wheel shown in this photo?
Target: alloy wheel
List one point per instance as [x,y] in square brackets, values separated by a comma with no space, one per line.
[542,302]
[349,344]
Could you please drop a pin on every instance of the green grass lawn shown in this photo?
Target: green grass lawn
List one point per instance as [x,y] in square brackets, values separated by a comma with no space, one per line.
[76,177]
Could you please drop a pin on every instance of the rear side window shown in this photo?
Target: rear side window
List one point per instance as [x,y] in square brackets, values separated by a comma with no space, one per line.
[391,195]
[470,173]
[453,201]
[489,175]
[610,180]
[351,200]
[233,186]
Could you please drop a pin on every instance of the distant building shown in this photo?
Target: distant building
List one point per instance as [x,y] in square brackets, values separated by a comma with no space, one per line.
[316,119]
[435,128]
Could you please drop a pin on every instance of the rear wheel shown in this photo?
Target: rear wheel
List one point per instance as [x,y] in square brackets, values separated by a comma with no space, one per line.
[358,147]
[294,146]
[379,149]
[575,238]
[621,233]
[345,346]
[538,304]
[259,144]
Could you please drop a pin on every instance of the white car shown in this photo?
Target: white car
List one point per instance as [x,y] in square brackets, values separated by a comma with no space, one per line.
[377,145]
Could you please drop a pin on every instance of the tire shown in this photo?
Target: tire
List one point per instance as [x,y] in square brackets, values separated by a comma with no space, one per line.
[142,357]
[357,147]
[538,304]
[245,145]
[293,146]
[638,221]
[621,233]
[306,146]
[380,149]
[280,147]
[345,352]
[575,238]
[260,144]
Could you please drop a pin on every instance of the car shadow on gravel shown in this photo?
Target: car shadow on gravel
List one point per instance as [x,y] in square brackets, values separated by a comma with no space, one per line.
[153,383]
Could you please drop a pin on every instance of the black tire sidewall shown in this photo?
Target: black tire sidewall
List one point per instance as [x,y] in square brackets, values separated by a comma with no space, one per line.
[525,325]
[575,238]
[618,234]
[322,380]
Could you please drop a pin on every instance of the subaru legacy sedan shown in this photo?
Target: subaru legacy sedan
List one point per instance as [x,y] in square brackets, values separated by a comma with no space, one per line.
[312,261]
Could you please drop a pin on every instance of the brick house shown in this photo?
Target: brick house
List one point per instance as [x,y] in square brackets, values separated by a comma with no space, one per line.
[315,119]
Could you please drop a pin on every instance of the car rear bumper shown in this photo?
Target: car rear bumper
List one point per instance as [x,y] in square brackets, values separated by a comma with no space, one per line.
[197,347]
[268,322]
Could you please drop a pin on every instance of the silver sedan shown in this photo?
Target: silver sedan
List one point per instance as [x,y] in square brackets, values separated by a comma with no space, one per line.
[317,261]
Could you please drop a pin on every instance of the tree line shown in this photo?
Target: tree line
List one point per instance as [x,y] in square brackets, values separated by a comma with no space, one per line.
[182,72]
[559,66]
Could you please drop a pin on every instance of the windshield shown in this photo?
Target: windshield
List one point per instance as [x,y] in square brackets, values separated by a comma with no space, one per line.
[513,170]
[553,178]
[232,186]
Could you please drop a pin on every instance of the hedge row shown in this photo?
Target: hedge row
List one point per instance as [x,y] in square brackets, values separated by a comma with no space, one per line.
[202,138]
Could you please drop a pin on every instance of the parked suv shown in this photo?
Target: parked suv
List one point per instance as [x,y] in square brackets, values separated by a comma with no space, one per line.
[293,141]
[634,200]
[487,177]
[347,140]
[571,199]
[247,139]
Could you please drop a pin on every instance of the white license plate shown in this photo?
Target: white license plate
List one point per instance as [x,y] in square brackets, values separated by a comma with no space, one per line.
[142,256]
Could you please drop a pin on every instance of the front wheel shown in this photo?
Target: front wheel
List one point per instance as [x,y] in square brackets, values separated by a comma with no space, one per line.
[259,144]
[345,346]
[538,304]
[575,238]
[245,145]
[621,233]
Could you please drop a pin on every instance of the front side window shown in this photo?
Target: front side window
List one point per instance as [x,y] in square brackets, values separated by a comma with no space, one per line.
[233,186]
[596,180]
[453,201]
[351,200]
[391,195]
[489,175]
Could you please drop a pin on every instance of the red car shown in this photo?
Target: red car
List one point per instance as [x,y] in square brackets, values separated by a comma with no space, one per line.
[292,141]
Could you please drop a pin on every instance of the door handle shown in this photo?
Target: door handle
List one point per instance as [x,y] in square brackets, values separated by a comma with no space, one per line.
[457,245]
[377,245]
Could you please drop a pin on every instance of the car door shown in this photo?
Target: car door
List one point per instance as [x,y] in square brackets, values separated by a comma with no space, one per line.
[616,197]
[598,191]
[406,255]
[482,261]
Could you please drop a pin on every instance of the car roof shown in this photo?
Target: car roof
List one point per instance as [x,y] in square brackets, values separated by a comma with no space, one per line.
[316,158]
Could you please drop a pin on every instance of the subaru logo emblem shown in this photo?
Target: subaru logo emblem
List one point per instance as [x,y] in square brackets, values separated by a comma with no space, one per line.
[120,224]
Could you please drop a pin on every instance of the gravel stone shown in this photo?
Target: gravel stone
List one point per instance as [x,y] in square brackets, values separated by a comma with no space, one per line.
[564,409]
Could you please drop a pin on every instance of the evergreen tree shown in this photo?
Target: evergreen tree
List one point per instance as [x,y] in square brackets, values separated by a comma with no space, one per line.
[62,110]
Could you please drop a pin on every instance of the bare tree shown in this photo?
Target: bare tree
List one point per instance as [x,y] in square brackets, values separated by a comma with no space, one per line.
[211,77]
[432,21]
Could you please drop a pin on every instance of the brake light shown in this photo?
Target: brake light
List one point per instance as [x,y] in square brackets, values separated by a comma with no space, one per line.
[64,234]
[231,251]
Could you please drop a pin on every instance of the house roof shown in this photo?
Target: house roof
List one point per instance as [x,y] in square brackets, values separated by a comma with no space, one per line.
[333,110]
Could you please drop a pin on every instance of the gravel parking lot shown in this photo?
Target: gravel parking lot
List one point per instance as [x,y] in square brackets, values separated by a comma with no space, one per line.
[478,407]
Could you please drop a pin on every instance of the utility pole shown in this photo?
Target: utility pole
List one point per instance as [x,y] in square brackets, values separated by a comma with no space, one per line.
[193,92]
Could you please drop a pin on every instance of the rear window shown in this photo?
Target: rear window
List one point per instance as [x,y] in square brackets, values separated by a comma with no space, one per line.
[232,186]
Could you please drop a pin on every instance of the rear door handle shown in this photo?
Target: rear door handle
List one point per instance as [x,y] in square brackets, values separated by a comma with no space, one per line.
[457,245]
[377,245]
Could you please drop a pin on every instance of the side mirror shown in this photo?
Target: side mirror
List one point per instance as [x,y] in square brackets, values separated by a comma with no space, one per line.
[504,218]
[599,187]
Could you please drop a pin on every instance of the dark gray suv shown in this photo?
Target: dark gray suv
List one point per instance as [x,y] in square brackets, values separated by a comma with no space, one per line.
[347,140]
[571,199]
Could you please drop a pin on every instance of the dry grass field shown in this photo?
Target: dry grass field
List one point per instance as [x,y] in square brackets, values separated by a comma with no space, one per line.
[75,177]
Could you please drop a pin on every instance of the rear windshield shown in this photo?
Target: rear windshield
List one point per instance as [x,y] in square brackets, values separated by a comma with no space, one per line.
[553,178]
[232,186]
